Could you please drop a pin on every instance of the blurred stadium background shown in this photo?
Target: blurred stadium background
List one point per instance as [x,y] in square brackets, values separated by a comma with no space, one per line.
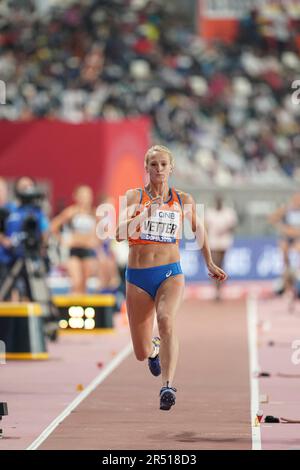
[88,85]
[224,108]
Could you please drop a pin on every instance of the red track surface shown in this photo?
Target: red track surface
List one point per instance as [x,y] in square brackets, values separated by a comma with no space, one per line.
[282,328]
[38,391]
[213,405]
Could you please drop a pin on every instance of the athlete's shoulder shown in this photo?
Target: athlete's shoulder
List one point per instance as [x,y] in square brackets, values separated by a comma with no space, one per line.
[133,195]
[186,198]
[71,210]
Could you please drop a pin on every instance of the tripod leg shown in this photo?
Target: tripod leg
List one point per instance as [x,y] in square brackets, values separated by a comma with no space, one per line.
[35,274]
[9,282]
[35,281]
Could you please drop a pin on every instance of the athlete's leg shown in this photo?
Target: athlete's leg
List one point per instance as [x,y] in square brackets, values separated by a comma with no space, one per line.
[168,300]
[285,248]
[108,271]
[141,310]
[104,273]
[88,269]
[75,273]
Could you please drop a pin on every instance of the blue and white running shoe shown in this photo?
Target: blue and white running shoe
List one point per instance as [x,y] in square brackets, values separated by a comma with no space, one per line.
[154,362]
[167,397]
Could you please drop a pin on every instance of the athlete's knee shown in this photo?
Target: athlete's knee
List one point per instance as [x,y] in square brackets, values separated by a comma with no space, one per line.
[141,354]
[165,326]
[78,286]
[78,283]
[76,279]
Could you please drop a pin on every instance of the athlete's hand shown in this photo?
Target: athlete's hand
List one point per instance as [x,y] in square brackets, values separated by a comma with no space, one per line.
[216,273]
[288,231]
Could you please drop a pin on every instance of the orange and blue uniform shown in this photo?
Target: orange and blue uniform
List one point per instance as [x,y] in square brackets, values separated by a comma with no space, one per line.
[164,226]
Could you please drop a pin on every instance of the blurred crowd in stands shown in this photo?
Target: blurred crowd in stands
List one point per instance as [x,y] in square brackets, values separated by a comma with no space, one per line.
[224,109]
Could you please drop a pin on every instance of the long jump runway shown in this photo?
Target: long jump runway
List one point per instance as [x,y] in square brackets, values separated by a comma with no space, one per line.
[213,399]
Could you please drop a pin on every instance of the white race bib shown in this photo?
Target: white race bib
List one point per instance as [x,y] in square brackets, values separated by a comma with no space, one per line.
[162,227]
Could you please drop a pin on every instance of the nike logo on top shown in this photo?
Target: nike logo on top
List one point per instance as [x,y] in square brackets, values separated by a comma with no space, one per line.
[168,274]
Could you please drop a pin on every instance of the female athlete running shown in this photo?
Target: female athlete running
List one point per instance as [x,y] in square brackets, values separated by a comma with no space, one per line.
[154,279]
[80,238]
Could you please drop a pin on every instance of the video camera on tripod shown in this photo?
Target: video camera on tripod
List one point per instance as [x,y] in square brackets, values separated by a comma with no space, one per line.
[4,213]
[26,227]
[27,239]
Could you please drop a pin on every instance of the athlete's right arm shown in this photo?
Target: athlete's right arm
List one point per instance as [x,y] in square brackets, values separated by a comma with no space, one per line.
[277,216]
[62,219]
[130,216]
[127,214]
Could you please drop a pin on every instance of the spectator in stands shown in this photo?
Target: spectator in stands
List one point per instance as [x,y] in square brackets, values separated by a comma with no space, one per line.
[280,29]
[224,109]
[249,28]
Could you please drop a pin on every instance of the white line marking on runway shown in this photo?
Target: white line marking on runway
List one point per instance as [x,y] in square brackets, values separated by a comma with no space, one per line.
[83,395]
[253,368]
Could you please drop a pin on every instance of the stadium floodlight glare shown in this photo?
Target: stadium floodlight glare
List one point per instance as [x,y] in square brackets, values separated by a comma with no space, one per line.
[76,322]
[89,312]
[63,324]
[76,312]
[89,324]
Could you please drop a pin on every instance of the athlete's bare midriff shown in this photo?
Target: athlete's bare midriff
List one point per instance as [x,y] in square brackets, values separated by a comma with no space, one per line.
[154,254]
[82,240]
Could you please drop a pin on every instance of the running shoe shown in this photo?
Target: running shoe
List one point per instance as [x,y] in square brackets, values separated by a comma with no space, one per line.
[167,397]
[154,362]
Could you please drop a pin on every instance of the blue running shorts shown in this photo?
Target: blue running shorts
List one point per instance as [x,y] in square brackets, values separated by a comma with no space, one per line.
[150,279]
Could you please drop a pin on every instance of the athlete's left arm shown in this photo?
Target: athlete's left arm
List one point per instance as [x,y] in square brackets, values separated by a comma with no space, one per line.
[190,212]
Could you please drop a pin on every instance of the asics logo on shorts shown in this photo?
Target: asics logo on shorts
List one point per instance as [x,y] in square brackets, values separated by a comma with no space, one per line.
[168,274]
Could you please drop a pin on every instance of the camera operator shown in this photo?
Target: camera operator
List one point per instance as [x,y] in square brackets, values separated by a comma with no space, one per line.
[26,228]
[6,207]
[26,235]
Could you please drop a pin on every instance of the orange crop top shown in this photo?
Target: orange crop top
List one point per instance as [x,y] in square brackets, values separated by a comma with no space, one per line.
[164,226]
